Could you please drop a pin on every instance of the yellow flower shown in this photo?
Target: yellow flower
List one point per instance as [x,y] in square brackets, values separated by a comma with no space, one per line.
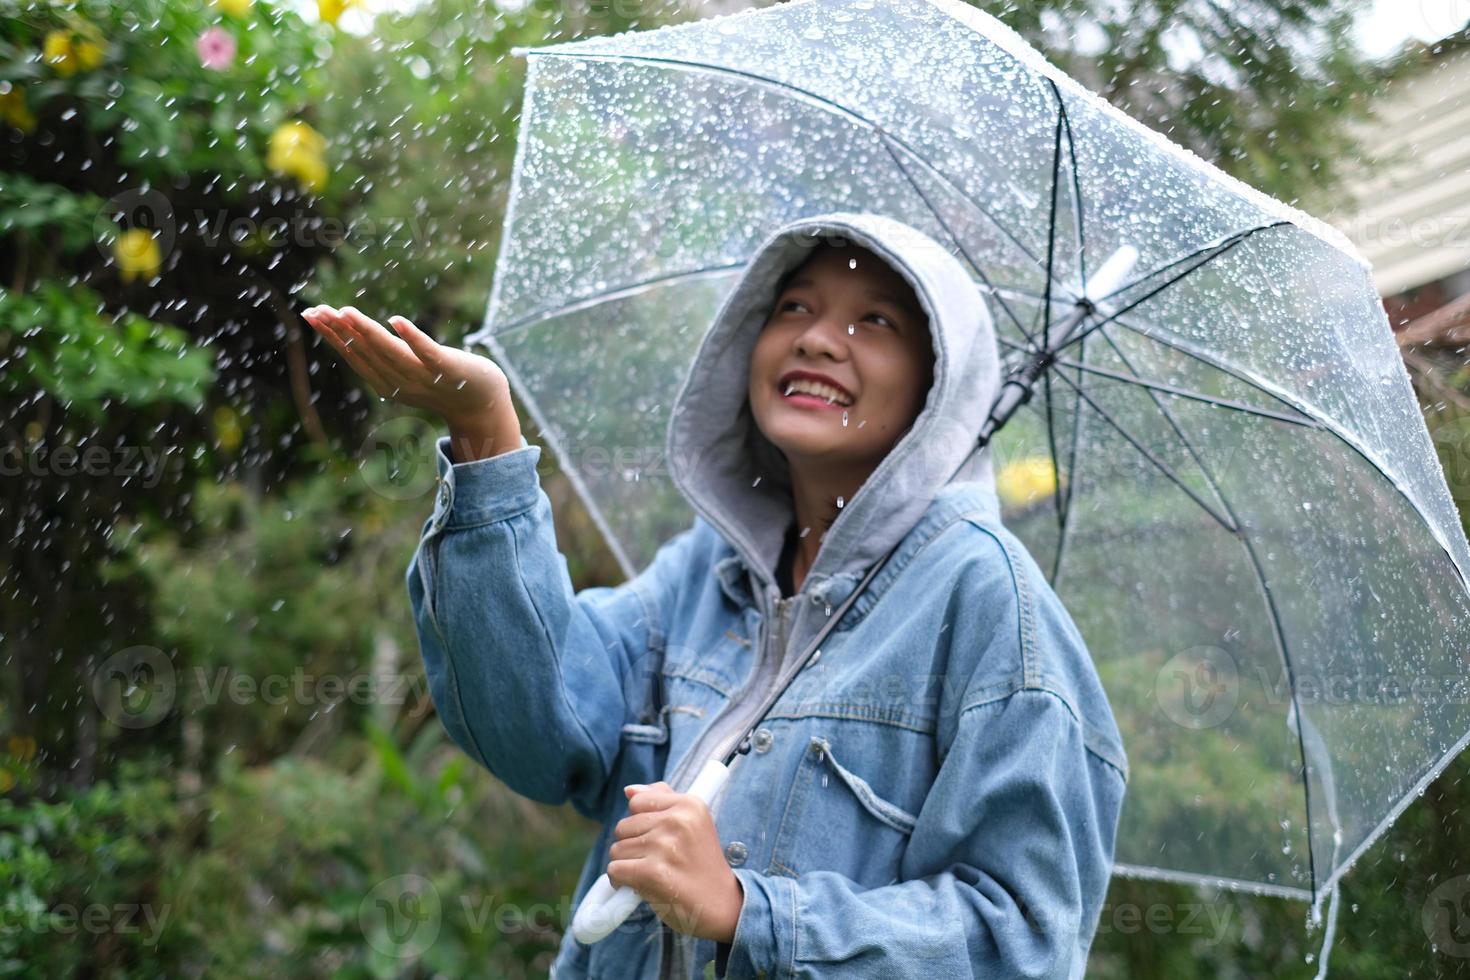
[89,54]
[298,150]
[235,8]
[136,252]
[226,428]
[66,52]
[1027,480]
[330,10]
[57,52]
[13,109]
[21,746]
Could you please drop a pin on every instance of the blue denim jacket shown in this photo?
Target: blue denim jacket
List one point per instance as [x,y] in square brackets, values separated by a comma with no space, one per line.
[936,794]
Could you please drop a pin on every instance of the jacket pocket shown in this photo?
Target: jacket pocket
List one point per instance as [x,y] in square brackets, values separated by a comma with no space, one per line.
[834,819]
[893,815]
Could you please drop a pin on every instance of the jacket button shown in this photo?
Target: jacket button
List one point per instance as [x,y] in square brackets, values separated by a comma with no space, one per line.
[735,853]
[762,739]
[444,494]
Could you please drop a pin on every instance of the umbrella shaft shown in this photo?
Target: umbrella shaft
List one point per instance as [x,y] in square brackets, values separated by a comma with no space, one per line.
[1022,381]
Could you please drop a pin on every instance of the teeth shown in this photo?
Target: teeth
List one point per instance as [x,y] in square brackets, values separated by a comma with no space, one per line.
[808,387]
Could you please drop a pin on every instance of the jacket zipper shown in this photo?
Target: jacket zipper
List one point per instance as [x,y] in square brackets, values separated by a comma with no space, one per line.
[774,654]
[772,661]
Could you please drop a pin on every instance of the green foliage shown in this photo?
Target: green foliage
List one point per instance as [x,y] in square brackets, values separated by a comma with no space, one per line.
[62,344]
[262,825]
[83,867]
[1265,89]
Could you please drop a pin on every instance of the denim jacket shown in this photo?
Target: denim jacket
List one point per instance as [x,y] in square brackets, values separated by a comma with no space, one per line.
[935,794]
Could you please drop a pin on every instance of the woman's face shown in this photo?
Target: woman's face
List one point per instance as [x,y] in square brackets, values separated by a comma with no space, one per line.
[848,316]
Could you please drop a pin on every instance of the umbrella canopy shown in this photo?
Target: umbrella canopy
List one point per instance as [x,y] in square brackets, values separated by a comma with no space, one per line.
[1223,468]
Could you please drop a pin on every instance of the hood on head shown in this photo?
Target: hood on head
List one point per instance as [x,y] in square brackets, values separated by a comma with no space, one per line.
[738,481]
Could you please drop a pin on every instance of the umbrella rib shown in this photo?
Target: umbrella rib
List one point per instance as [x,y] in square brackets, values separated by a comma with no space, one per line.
[836,107]
[1277,633]
[1199,396]
[1051,231]
[1247,377]
[622,292]
[1064,123]
[1162,466]
[994,290]
[1064,535]
[1077,202]
[1210,253]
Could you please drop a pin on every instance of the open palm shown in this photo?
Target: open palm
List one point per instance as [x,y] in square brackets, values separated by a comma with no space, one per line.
[409,366]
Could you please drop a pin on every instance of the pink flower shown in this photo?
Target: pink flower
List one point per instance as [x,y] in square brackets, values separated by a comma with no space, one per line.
[216,48]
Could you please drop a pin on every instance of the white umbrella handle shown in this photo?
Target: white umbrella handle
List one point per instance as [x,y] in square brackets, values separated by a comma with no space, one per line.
[604,908]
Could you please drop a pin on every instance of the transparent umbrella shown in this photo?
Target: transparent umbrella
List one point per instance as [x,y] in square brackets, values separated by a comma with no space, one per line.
[1239,502]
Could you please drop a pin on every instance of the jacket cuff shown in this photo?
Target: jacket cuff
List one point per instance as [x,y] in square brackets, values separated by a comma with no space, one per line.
[765,933]
[484,490]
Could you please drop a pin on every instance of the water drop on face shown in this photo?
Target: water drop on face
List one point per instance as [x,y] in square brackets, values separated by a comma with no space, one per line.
[461,384]
[840,501]
[851,329]
[844,418]
[852,263]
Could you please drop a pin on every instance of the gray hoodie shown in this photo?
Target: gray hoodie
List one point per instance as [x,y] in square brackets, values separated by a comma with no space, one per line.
[737,480]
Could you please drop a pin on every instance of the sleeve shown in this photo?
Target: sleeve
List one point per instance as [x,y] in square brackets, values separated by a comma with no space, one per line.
[529,678]
[1011,855]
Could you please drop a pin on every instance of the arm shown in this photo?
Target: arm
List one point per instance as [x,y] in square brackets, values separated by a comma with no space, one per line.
[1011,854]
[531,679]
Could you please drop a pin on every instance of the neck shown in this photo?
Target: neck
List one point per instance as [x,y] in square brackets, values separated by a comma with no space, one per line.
[814,489]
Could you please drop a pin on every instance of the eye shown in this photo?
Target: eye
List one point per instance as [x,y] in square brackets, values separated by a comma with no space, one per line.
[875,315]
[790,302]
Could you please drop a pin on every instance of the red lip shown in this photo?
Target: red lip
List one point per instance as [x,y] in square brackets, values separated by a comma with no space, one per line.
[813,376]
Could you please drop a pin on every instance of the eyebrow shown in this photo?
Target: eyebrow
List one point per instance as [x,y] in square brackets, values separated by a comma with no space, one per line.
[874,294]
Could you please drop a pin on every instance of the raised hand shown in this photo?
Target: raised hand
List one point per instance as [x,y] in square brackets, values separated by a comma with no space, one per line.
[468,391]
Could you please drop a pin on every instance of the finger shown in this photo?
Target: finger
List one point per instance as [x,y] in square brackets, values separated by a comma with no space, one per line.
[630,847]
[628,871]
[636,824]
[652,799]
[384,342]
[363,347]
[352,355]
[418,341]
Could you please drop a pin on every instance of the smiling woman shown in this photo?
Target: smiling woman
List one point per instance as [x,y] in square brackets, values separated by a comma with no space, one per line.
[924,776]
[838,374]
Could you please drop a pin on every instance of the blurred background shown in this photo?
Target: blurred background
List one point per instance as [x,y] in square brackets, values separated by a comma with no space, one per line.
[218,755]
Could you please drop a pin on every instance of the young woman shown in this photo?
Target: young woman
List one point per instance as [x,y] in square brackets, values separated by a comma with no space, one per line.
[936,792]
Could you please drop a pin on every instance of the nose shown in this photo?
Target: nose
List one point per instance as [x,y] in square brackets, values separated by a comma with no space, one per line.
[823,336]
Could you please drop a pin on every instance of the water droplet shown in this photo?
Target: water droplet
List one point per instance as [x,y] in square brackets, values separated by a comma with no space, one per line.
[851,330]
[757,482]
[824,779]
[844,423]
[840,501]
[852,263]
